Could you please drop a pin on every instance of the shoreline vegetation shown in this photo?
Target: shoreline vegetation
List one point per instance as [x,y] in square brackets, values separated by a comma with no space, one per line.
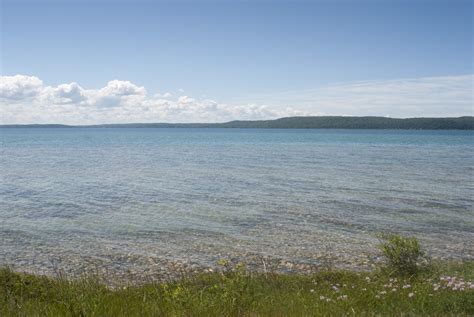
[315,122]
[407,283]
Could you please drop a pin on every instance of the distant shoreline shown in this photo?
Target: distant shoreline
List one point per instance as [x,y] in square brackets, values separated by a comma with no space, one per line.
[326,122]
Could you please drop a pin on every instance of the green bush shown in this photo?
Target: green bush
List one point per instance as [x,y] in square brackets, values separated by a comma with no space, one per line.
[403,254]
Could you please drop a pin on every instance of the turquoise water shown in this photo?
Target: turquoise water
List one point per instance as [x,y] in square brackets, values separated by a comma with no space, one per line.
[119,196]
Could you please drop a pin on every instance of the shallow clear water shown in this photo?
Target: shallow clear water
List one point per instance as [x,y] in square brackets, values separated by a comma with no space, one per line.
[121,195]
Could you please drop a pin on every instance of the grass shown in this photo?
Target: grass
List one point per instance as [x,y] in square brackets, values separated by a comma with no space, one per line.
[405,286]
[235,292]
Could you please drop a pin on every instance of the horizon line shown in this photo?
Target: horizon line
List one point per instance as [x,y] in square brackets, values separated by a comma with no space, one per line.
[219,123]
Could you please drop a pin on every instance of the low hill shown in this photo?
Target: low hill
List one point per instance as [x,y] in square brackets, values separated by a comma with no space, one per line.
[462,123]
[320,122]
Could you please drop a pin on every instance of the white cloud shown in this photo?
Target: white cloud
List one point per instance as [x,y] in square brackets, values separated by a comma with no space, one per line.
[117,93]
[185,100]
[19,87]
[65,94]
[429,96]
[118,101]
[122,88]
[24,99]
[165,95]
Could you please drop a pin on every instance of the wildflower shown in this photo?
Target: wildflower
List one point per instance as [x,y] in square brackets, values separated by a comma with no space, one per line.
[322,297]
[311,290]
[377,296]
[342,297]
[394,289]
[367,279]
[364,289]
[406,286]
[411,294]
[382,292]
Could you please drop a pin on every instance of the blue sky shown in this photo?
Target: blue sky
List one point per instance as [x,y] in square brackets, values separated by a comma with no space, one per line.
[241,53]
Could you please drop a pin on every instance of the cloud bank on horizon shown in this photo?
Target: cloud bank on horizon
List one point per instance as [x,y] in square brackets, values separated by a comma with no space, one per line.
[26,99]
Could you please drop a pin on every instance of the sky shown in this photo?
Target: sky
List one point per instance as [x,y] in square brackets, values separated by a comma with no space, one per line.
[84,62]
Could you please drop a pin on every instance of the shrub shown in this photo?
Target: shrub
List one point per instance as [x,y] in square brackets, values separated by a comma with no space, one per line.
[402,254]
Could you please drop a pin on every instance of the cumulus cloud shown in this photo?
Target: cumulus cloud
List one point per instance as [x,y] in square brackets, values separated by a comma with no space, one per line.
[117,93]
[65,94]
[122,88]
[25,99]
[119,101]
[185,100]
[19,87]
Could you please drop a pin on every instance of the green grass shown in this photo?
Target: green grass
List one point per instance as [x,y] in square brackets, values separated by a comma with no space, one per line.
[235,292]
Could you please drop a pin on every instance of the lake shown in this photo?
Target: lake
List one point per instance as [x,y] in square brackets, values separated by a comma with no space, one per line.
[129,199]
